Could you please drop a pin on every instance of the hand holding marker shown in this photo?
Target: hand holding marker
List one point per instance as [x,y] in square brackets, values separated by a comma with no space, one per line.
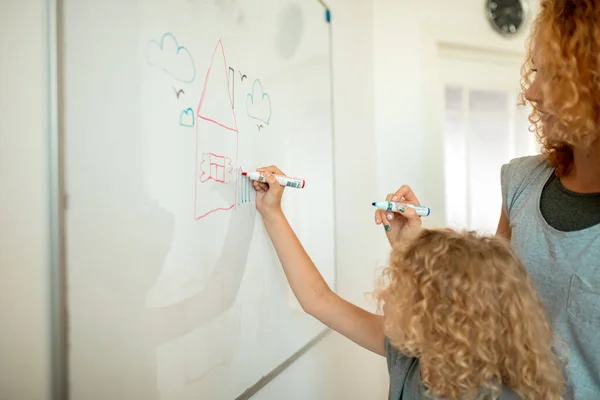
[281,179]
[399,207]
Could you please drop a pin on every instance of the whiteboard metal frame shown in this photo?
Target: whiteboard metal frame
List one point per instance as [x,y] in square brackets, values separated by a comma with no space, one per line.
[58,293]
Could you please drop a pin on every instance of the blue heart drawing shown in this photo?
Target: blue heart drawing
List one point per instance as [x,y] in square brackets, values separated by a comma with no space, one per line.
[187,118]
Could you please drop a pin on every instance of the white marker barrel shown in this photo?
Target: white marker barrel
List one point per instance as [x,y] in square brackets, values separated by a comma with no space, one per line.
[395,207]
[282,180]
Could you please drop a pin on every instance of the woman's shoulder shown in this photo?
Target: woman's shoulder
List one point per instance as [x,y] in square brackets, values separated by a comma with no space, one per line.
[524,166]
[519,176]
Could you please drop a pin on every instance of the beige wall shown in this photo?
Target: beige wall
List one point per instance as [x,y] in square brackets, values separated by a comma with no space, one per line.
[24,202]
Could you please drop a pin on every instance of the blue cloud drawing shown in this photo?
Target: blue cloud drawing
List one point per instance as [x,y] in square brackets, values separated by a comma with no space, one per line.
[258,103]
[187,118]
[172,58]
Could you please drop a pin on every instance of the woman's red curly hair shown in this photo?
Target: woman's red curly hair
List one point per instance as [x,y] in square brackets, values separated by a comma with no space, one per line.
[566,37]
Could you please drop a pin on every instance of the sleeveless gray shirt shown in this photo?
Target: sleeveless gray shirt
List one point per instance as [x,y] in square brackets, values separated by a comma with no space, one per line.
[405,378]
[565,268]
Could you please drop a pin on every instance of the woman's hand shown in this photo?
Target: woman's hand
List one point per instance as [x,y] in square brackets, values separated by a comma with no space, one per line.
[268,195]
[397,225]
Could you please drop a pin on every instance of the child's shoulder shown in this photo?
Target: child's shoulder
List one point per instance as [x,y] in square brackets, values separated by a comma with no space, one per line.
[405,377]
[508,394]
[404,373]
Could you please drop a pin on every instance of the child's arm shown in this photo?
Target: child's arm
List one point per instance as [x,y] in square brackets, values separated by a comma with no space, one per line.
[309,287]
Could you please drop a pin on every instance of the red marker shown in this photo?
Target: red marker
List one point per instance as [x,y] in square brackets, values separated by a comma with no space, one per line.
[282,180]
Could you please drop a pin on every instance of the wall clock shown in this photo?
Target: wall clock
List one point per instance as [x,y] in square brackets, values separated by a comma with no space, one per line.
[507,17]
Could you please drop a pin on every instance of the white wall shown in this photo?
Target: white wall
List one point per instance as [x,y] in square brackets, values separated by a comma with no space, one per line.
[408,92]
[24,266]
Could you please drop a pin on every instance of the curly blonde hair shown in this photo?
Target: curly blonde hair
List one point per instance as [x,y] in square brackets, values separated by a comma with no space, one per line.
[565,38]
[464,305]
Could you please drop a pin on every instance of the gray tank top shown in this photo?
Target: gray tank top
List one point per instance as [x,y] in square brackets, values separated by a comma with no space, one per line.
[565,268]
[405,378]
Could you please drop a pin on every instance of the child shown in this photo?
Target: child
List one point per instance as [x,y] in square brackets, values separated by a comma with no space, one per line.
[460,320]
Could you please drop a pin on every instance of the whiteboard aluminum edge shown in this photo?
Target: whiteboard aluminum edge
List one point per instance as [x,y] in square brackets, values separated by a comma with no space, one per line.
[57,264]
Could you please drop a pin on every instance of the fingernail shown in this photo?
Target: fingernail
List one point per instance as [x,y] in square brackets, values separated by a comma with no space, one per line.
[267,174]
[378,221]
[395,198]
[390,216]
[387,228]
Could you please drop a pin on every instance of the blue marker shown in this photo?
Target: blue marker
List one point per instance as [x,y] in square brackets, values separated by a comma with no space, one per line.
[396,207]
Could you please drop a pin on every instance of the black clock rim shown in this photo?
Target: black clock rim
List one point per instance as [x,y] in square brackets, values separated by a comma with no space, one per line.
[498,30]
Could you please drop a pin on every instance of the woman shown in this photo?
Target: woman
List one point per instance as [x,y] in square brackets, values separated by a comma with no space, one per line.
[551,203]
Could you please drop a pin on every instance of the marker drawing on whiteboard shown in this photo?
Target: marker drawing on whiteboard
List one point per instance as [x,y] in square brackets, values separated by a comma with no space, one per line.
[282,180]
[399,207]
[216,142]
[174,59]
[186,118]
[244,191]
[258,103]
[178,92]
[216,168]
[231,79]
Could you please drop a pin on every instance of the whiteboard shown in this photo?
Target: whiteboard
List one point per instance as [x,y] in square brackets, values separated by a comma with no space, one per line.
[174,289]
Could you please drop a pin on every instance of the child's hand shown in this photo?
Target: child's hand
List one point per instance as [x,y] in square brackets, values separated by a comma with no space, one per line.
[397,225]
[268,195]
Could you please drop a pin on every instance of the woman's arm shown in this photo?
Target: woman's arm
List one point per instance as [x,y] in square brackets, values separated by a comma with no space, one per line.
[503,225]
[313,293]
